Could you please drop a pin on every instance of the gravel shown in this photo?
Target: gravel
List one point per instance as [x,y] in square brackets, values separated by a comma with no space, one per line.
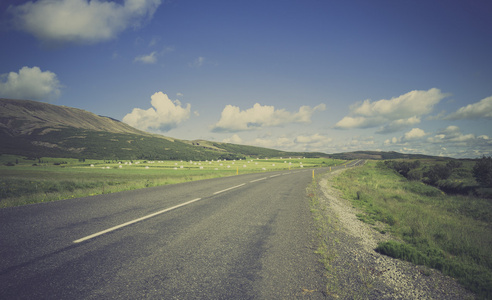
[357,271]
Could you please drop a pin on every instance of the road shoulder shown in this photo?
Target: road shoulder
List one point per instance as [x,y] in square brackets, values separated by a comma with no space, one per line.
[355,271]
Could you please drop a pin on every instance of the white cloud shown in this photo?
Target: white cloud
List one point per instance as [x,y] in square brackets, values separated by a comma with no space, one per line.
[280,143]
[447,142]
[30,84]
[452,142]
[315,142]
[234,139]
[415,133]
[393,140]
[147,59]
[80,21]
[197,62]
[396,113]
[478,110]
[233,119]
[399,125]
[163,116]
[451,134]
[151,58]
[312,143]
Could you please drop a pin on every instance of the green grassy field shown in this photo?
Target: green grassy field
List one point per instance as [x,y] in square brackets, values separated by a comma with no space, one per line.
[25,181]
[449,233]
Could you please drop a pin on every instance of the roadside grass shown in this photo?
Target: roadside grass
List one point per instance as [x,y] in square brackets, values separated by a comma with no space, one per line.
[324,241]
[27,181]
[452,234]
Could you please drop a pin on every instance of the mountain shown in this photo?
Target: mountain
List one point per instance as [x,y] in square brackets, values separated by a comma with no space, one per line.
[36,129]
[24,117]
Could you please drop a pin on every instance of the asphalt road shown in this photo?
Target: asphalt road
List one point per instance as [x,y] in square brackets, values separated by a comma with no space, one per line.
[241,237]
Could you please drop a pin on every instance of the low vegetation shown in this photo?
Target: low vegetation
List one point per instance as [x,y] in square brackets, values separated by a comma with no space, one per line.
[26,181]
[449,232]
[457,177]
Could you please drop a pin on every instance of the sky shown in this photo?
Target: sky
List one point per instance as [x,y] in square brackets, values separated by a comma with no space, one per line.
[310,75]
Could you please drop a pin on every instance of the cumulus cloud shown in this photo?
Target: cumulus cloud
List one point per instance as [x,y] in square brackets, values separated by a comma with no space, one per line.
[415,133]
[398,125]
[147,58]
[234,139]
[80,21]
[163,116]
[453,142]
[451,134]
[233,119]
[481,109]
[395,114]
[314,142]
[31,84]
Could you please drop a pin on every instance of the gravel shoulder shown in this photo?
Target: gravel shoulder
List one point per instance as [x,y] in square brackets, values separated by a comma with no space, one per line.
[356,271]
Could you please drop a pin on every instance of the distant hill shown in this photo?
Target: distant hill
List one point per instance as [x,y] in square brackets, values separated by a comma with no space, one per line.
[379,155]
[36,129]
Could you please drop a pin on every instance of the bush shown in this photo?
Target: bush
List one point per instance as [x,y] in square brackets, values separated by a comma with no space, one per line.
[437,172]
[415,175]
[402,167]
[482,171]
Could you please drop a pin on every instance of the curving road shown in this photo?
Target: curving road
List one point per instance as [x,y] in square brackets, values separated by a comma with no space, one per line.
[242,237]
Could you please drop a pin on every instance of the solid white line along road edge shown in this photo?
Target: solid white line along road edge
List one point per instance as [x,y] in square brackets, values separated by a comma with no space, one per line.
[229,189]
[134,221]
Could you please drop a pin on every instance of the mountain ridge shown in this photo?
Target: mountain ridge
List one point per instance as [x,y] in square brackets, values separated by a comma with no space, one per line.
[25,116]
[37,129]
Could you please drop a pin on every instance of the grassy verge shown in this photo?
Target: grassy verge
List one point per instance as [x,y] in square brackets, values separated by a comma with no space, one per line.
[450,233]
[26,181]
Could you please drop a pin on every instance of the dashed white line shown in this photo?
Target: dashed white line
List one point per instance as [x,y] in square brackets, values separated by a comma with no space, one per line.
[258,179]
[168,209]
[134,221]
[218,192]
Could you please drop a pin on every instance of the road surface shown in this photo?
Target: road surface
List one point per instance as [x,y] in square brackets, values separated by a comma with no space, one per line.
[241,237]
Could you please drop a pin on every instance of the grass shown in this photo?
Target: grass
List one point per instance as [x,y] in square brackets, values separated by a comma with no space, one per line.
[450,233]
[26,181]
[324,242]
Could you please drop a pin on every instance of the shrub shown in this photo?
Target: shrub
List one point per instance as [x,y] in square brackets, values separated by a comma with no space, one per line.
[482,171]
[415,175]
[402,167]
[437,172]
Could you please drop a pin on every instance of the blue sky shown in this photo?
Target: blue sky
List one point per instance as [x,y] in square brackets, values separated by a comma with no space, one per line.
[329,76]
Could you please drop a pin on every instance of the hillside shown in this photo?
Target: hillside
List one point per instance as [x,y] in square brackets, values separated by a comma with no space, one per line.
[24,117]
[379,155]
[36,129]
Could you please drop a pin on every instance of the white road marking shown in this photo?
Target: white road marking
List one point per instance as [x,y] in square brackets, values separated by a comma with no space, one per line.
[258,179]
[275,175]
[229,189]
[134,221]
